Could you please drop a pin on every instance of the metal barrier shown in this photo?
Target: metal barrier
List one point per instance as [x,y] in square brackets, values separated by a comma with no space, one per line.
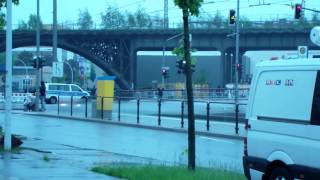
[208,110]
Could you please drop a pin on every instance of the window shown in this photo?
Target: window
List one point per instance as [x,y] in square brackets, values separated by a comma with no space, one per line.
[75,88]
[64,88]
[53,87]
[315,113]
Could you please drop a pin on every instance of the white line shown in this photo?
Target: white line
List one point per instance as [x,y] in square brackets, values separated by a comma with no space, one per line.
[218,140]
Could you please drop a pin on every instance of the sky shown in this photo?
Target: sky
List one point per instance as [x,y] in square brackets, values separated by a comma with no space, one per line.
[68,10]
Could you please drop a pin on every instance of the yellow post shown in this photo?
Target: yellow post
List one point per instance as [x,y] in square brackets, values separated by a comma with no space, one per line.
[105,94]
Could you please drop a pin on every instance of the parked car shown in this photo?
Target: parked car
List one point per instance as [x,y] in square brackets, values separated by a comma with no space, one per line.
[64,92]
[283,128]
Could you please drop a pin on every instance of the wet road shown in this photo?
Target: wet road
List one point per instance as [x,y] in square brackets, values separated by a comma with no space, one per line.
[169,147]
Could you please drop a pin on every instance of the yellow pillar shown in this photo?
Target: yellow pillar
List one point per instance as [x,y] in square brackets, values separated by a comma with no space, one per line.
[105,95]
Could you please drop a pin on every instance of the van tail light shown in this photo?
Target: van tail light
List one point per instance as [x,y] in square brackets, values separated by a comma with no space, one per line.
[245,148]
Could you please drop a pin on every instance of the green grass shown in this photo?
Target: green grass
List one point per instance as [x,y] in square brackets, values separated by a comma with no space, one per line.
[46,158]
[153,172]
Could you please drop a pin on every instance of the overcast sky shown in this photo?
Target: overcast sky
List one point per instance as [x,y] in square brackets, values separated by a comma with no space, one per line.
[68,9]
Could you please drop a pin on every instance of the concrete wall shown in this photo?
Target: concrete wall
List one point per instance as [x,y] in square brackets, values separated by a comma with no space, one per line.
[149,69]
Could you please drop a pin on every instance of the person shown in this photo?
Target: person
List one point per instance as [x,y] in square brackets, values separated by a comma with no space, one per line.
[42,96]
[29,104]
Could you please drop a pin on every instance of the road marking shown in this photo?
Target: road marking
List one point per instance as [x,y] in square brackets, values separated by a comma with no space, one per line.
[218,140]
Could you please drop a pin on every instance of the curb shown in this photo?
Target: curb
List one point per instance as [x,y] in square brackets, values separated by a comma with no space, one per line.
[159,128]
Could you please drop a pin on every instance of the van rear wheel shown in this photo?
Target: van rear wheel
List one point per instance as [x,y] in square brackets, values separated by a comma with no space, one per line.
[280,173]
[53,100]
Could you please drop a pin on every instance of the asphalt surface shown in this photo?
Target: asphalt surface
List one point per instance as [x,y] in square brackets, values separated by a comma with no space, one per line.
[221,114]
[167,147]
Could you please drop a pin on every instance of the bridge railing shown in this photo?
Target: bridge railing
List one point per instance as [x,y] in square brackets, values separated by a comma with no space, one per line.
[275,24]
[198,93]
[161,112]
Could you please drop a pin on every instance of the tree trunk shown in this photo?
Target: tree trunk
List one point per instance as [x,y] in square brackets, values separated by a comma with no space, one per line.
[191,131]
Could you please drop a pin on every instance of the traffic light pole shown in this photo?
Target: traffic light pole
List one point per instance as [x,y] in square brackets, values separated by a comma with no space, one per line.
[8,95]
[237,53]
[38,56]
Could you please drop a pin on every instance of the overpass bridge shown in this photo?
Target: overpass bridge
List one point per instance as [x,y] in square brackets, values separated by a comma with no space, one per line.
[115,51]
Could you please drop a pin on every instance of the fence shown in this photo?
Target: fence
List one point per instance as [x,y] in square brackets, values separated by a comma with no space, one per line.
[160,112]
[199,94]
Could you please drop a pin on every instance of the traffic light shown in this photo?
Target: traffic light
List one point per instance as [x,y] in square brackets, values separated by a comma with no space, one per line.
[165,72]
[232,17]
[41,62]
[181,65]
[239,67]
[298,11]
[34,62]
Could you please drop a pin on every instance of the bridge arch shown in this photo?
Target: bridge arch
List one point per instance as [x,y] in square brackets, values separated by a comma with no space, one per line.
[27,42]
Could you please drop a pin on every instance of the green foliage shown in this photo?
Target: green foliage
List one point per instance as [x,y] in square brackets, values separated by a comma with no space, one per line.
[2,15]
[146,172]
[32,22]
[131,20]
[22,25]
[112,18]
[191,5]
[217,20]
[245,22]
[315,19]
[142,18]
[179,52]
[85,21]
[3,3]
[46,158]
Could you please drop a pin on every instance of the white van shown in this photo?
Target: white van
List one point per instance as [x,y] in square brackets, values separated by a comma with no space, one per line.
[283,128]
[64,91]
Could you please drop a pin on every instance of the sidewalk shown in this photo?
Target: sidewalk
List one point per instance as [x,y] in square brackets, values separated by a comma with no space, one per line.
[44,160]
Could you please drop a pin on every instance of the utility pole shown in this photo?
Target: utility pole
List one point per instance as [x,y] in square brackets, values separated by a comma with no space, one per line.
[55,33]
[7,136]
[165,15]
[38,56]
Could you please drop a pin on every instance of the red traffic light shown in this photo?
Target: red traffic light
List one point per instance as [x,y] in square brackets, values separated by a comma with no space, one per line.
[298,11]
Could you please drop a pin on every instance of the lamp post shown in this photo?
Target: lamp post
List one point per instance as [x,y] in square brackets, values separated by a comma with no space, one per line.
[38,57]
[8,104]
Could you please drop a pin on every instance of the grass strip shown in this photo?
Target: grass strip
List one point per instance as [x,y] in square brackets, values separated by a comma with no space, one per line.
[156,172]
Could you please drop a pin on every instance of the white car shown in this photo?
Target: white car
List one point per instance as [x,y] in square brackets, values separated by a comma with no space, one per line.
[283,128]
[64,92]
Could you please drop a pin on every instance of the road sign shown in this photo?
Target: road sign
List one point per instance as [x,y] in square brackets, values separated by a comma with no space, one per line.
[57,69]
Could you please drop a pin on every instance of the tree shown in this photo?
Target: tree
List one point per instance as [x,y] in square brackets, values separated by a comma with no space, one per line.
[142,18]
[131,20]
[112,18]
[217,20]
[2,15]
[245,22]
[315,19]
[189,7]
[32,22]
[84,20]
[22,25]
